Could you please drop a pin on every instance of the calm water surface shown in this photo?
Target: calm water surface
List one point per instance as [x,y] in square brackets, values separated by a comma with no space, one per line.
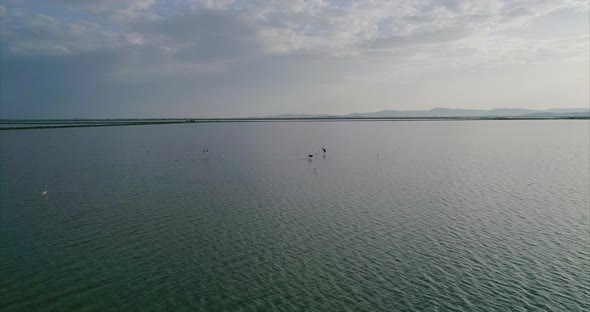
[451,216]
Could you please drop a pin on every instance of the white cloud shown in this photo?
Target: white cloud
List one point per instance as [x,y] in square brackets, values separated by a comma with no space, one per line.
[204,35]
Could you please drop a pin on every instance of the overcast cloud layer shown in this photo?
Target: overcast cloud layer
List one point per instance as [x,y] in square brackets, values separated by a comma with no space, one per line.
[177,58]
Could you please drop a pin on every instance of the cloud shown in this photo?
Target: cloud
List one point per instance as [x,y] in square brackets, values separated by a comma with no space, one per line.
[333,48]
[160,38]
[443,35]
[37,34]
[202,35]
[118,10]
[219,29]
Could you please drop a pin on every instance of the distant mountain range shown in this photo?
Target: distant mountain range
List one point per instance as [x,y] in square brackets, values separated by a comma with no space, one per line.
[449,112]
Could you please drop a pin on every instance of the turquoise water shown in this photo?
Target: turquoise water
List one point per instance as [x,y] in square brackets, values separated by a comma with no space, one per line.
[450,216]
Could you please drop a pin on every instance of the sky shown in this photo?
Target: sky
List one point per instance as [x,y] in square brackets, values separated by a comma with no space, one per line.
[203,58]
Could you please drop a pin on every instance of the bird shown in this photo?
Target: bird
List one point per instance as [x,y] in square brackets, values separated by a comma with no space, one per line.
[44,191]
[323,149]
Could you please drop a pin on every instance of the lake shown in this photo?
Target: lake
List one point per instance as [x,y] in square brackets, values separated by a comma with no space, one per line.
[398,216]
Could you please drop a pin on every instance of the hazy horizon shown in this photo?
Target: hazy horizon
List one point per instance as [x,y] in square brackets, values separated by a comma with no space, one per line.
[169,59]
[549,110]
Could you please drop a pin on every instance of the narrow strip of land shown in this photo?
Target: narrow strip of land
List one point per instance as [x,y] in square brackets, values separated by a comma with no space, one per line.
[79,123]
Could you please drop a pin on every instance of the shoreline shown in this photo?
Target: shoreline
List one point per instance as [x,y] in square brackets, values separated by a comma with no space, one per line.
[30,124]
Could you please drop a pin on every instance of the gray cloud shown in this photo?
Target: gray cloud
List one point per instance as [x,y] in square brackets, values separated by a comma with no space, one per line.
[444,35]
[236,57]
[38,34]
[219,30]
[202,36]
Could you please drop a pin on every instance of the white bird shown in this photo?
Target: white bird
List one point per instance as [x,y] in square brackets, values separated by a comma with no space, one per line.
[44,192]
